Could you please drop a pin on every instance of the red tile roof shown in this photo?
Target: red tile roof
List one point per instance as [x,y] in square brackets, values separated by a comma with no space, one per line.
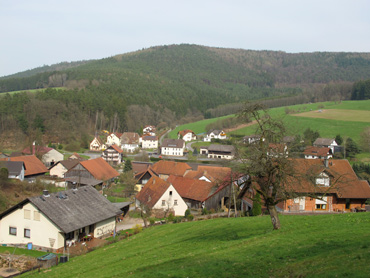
[100,169]
[33,165]
[37,149]
[317,151]
[152,191]
[213,173]
[116,148]
[185,131]
[343,180]
[165,167]
[191,188]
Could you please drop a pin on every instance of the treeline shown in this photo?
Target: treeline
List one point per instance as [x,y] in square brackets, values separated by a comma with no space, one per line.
[361,90]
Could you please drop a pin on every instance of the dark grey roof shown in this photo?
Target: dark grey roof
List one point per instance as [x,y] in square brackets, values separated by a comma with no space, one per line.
[14,167]
[173,143]
[323,141]
[83,181]
[122,205]
[221,148]
[68,164]
[74,209]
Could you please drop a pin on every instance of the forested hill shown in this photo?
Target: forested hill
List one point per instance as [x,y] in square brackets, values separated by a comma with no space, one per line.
[165,83]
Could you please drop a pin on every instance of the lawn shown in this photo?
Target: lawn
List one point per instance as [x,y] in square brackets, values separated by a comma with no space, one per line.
[338,114]
[21,251]
[306,246]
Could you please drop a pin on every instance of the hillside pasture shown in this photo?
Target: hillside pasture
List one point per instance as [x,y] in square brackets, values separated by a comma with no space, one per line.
[338,114]
[305,246]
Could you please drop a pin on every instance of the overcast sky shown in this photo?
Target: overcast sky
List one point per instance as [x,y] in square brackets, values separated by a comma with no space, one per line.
[34,33]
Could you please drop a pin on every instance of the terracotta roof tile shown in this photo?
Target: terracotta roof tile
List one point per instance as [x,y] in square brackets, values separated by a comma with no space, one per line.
[317,151]
[100,169]
[32,164]
[165,167]
[152,191]
[191,188]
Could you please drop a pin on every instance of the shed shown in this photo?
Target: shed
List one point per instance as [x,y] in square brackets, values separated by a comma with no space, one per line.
[47,260]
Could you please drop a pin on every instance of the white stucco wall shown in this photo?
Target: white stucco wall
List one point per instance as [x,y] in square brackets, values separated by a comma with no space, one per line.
[58,170]
[42,232]
[105,227]
[172,151]
[150,144]
[52,156]
[169,201]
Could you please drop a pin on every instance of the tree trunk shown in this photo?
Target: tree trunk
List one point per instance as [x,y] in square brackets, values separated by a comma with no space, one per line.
[274,217]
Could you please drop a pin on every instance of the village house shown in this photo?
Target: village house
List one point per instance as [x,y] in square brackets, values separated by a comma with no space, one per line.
[214,134]
[165,168]
[218,151]
[215,174]
[327,143]
[149,142]
[250,139]
[33,166]
[53,221]
[130,141]
[312,152]
[187,135]
[16,169]
[91,172]
[97,144]
[140,166]
[114,138]
[173,147]
[277,150]
[161,197]
[322,186]
[143,177]
[149,130]
[60,168]
[49,156]
[113,155]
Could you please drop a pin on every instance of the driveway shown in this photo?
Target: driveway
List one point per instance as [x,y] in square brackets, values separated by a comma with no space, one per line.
[128,223]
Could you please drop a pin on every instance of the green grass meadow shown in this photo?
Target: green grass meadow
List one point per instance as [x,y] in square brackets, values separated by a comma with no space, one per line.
[306,246]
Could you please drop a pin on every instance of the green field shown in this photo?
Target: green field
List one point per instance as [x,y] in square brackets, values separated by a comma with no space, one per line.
[32,91]
[306,246]
[338,115]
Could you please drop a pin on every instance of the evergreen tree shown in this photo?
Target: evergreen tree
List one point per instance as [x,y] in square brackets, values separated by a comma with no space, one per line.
[128,166]
[256,210]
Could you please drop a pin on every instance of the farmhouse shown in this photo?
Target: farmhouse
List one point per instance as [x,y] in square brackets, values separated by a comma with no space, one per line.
[149,130]
[149,142]
[173,147]
[114,138]
[215,134]
[161,197]
[165,168]
[218,151]
[52,220]
[113,155]
[49,156]
[312,152]
[326,142]
[322,186]
[61,167]
[96,144]
[33,166]
[130,141]
[91,172]
[187,135]
[16,169]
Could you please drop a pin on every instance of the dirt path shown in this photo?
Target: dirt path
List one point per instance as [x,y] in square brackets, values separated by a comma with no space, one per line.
[128,223]
[240,126]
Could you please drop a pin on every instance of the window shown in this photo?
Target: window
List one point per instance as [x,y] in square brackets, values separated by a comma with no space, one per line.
[170,193]
[320,206]
[27,233]
[36,215]
[12,231]
[163,202]
[175,202]
[27,214]
[348,203]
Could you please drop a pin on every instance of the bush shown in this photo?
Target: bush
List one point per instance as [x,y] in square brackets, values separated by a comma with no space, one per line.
[73,147]
[190,217]
[170,217]
[187,213]
[138,228]
[151,221]
[257,210]
[177,219]
[205,211]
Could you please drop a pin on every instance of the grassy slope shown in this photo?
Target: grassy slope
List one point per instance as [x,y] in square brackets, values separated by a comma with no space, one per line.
[306,246]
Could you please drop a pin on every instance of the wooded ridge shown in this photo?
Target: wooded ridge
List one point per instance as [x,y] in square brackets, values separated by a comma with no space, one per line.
[171,84]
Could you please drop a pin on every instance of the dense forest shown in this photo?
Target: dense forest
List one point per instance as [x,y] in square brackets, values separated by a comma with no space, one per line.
[168,85]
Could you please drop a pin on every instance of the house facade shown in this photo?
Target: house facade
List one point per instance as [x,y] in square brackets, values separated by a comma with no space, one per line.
[49,156]
[187,135]
[130,142]
[149,130]
[327,143]
[113,155]
[58,170]
[149,142]
[162,197]
[312,152]
[51,220]
[215,134]
[16,169]
[96,145]
[173,147]
[218,151]
[33,166]
[114,138]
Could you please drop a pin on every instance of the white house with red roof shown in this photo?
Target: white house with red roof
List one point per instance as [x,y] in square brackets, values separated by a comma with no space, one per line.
[114,138]
[49,156]
[187,135]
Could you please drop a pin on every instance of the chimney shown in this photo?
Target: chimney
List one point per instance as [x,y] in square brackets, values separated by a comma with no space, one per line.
[45,193]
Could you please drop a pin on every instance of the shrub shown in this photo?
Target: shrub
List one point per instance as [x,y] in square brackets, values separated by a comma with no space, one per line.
[170,217]
[151,221]
[187,213]
[138,228]
[212,210]
[190,217]
[205,211]
[257,210]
